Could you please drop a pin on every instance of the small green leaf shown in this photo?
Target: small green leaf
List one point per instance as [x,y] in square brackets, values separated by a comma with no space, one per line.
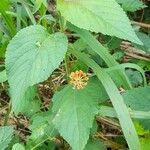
[32,55]
[135,77]
[38,4]
[6,134]
[18,146]
[79,65]
[95,145]
[138,98]
[30,102]
[42,128]
[75,111]
[27,102]
[145,143]
[4,6]
[146,40]
[131,5]
[3,76]
[140,130]
[105,16]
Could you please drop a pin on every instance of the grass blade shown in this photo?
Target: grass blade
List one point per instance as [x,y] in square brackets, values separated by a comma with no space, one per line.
[106,111]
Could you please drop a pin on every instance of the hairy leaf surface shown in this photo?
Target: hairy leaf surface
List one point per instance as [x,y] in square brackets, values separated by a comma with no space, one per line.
[6,134]
[32,55]
[75,111]
[131,5]
[105,16]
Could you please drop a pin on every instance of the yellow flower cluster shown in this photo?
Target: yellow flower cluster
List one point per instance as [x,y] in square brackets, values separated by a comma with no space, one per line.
[78,79]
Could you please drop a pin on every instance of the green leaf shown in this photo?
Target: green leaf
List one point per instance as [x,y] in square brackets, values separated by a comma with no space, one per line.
[26,104]
[139,74]
[131,5]
[18,146]
[145,144]
[30,102]
[3,76]
[4,6]
[95,145]
[42,128]
[116,99]
[75,111]
[31,56]
[6,134]
[28,10]
[14,140]
[138,98]
[105,16]
[140,130]
[49,18]
[135,77]
[38,4]
[146,40]
[79,65]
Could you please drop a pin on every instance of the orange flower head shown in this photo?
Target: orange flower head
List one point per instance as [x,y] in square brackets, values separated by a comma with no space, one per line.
[78,79]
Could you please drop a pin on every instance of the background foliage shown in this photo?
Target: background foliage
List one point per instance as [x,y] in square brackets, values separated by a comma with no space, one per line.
[74,74]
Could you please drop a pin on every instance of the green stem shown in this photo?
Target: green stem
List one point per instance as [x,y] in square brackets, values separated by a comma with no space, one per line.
[62,23]
[67,67]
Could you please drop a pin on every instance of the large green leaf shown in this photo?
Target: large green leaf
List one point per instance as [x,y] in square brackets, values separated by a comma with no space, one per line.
[116,99]
[75,111]
[6,134]
[31,57]
[105,16]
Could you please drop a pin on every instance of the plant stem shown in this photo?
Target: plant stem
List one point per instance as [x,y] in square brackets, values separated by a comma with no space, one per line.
[62,23]
[67,67]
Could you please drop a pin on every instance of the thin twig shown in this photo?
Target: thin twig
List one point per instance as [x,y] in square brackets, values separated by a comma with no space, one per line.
[141,24]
